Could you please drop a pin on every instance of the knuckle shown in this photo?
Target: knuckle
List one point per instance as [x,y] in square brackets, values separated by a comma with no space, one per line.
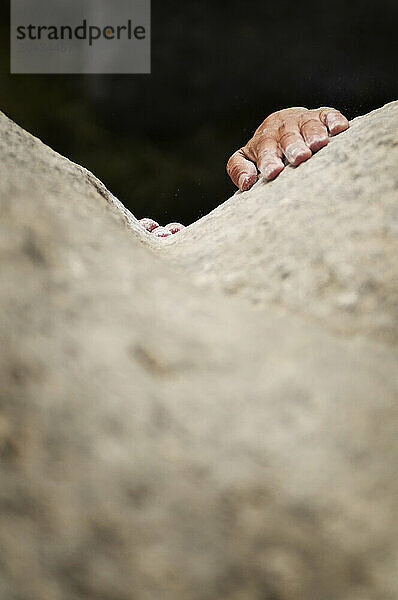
[310,122]
[265,143]
[282,129]
[270,123]
[324,111]
[234,164]
[265,136]
[266,154]
[288,136]
[250,150]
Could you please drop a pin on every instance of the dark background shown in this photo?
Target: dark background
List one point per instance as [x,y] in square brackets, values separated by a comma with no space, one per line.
[160,142]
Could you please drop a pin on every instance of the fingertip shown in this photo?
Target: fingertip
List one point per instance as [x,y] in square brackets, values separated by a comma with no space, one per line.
[297,153]
[242,181]
[272,170]
[161,232]
[316,142]
[336,123]
[175,227]
[246,181]
[339,128]
[148,224]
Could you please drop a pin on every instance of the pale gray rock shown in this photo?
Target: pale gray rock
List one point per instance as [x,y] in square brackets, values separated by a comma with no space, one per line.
[159,437]
[320,240]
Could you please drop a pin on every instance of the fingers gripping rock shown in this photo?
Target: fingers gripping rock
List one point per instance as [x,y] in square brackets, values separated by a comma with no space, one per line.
[162,232]
[153,227]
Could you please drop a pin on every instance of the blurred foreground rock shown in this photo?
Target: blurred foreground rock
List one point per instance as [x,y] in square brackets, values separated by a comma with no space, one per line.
[160,436]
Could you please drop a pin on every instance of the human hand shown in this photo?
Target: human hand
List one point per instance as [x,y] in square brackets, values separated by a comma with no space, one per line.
[294,133]
[153,227]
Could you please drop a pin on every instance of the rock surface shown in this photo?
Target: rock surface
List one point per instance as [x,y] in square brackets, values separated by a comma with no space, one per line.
[162,438]
[321,240]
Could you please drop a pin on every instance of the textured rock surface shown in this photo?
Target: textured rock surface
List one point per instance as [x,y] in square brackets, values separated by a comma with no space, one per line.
[321,240]
[162,439]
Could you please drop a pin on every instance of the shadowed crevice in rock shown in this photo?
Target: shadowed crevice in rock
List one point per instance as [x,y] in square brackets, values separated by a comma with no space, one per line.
[159,438]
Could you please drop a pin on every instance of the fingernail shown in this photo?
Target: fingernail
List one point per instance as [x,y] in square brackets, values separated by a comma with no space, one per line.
[244,182]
